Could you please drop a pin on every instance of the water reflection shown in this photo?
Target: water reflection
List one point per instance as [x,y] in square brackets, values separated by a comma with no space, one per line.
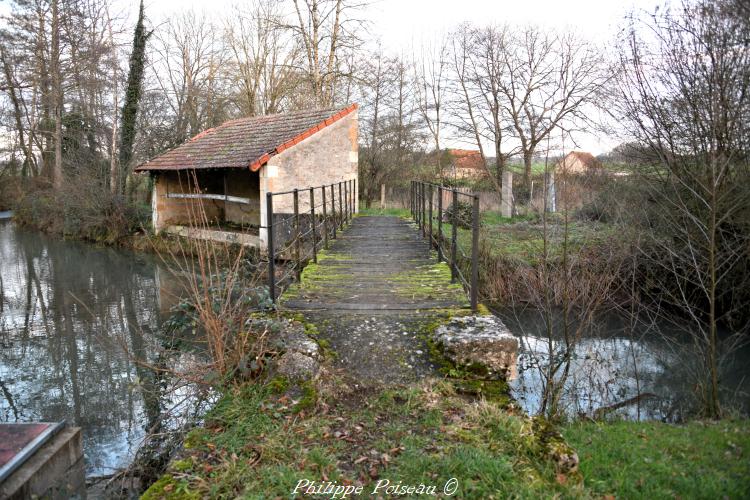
[648,366]
[72,319]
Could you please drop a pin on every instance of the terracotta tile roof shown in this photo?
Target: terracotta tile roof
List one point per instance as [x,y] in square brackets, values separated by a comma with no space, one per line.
[245,142]
[466,158]
[587,159]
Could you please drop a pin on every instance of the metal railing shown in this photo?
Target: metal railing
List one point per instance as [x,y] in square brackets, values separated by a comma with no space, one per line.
[299,221]
[427,209]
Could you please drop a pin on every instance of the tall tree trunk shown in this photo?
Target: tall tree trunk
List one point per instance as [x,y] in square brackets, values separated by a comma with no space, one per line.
[57,174]
[528,156]
[113,139]
[27,160]
[132,98]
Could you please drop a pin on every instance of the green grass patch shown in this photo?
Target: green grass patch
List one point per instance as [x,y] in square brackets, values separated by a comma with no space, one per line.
[522,238]
[657,460]
[392,212]
[257,443]
[537,168]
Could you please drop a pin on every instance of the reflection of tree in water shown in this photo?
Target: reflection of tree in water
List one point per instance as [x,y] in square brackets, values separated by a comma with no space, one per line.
[71,314]
[615,362]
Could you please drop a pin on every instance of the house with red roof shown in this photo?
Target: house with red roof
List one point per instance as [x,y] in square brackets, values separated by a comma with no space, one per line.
[466,164]
[225,172]
[578,162]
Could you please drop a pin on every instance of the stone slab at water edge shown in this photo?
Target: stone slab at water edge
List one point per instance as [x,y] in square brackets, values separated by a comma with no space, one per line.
[479,341]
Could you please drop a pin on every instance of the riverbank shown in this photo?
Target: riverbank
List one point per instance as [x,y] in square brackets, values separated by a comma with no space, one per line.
[337,432]
[260,441]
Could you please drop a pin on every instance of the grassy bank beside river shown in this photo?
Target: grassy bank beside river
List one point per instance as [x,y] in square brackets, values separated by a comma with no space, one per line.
[260,443]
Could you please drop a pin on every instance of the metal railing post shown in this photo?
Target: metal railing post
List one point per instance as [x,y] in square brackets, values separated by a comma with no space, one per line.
[346,202]
[325,218]
[351,198]
[419,205]
[341,209]
[270,249]
[474,292]
[440,224]
[333,208]
[297,242]
[424,211]
[432,192]
[416,202]
[454,235]
[411,198]
[314,223]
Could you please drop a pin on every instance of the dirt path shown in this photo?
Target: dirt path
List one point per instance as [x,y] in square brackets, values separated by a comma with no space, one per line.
[372,293]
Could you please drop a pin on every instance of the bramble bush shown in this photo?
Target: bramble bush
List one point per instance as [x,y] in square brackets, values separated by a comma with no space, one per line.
[81,209]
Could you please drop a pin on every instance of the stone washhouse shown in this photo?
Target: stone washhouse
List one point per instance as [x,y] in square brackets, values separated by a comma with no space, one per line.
[214,185]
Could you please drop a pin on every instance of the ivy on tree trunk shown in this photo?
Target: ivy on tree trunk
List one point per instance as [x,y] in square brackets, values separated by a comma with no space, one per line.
[132,98]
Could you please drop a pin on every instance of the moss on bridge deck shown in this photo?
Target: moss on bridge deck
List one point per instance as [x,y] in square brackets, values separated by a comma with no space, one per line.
[373,295]
[378,264]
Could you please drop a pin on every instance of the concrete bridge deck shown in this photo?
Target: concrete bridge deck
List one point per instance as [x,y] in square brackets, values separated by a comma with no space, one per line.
[378,264]
[372,294]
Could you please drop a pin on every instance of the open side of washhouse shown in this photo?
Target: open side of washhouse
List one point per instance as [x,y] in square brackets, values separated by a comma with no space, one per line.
[213,186]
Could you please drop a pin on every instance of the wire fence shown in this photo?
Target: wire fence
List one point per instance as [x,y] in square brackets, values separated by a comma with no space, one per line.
[299,223]
[434,207]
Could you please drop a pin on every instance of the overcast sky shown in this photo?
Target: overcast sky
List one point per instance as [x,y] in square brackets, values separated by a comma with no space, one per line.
[401,25]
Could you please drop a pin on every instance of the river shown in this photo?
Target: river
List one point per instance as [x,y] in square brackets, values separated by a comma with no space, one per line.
[616,359]
[74,318]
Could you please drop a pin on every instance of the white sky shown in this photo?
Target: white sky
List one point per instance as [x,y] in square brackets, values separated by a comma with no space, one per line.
[401,25]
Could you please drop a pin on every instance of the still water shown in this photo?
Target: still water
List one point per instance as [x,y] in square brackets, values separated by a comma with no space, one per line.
[73,320]
[614,360]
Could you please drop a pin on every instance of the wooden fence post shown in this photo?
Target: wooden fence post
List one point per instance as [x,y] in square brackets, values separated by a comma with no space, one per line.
[506,203]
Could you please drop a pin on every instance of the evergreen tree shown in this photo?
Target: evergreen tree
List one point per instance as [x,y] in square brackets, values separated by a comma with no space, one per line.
[132,97]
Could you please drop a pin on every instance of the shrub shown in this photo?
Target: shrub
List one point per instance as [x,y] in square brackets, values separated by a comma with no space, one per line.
[463,214]
[10,191]
[81,209]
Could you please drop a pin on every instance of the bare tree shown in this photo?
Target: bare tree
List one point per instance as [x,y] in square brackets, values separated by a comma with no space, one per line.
[547,82]
[327,29]
[431,75]
[265,58]
[188,73]
[57,92]
[685,94]
[478,64]
[56,56]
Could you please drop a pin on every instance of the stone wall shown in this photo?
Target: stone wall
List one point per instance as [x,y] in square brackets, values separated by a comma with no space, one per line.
[327,156]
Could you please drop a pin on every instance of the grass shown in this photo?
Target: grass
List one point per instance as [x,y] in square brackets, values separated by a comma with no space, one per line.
[256,445]
[262,439]
[657,460]
[522,238]
[537,168]
[393,212]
